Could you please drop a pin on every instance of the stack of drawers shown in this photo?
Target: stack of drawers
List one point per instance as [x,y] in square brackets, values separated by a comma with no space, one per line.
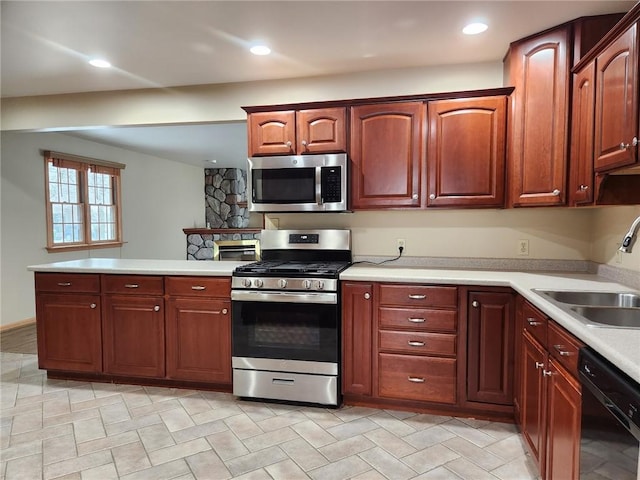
[417,334]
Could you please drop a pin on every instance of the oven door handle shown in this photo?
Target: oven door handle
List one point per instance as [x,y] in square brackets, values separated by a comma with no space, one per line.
[284,297]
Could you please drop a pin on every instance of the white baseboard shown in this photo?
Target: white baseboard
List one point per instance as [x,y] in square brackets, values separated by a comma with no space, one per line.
[20,323]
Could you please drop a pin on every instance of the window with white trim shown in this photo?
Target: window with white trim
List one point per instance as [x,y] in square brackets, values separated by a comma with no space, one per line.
[83,202]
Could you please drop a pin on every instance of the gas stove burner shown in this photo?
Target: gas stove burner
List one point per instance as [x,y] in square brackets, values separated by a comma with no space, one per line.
[293,267]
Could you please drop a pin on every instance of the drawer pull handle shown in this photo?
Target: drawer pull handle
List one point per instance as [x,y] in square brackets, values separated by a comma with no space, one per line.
[131,285]
[539,365]
[415,379]
[283,381]
[532,321]
[416,320]
[93,305]
[198,287]
[413,343]
[548,373]
[156,308]
[64,284]
[562,352]
[417,297]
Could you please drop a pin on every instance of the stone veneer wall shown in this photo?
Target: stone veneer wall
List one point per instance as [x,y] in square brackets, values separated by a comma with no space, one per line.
[200,246]
[225,189]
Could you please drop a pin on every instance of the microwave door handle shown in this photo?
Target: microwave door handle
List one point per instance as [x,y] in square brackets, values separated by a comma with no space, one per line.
[319,185]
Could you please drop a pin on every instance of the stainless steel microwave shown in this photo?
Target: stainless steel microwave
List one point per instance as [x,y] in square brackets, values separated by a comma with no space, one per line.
[298,183]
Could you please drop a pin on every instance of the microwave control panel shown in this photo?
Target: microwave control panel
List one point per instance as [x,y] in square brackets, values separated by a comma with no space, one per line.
[331,178]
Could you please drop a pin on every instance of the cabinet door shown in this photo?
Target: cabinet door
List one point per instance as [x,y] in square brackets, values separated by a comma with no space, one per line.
[466,152]
[133,329]
[271,133]
[490,348]
[616,123]
[68,331]
[533,397]
[563,435]
[322,130]
[387,151]
[538,147]
[518,359]
[357,324]
[582,124]
[199,340]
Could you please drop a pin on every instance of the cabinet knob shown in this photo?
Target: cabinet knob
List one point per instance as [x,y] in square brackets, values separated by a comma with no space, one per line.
[414,196]
[556,192]
[475,304]
[548,373]
[288,144]
[561,350]
[156,308]
[432,196]
[93,305]
[584,188]
[625,146]
[304,143]
[539,365]
[367,296]
[224,311]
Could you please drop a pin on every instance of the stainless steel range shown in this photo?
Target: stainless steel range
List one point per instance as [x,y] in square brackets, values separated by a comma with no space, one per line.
[286,317]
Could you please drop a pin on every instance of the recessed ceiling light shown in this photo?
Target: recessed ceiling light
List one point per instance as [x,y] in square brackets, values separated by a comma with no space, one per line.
[100,63]
[474,28]
[260,50]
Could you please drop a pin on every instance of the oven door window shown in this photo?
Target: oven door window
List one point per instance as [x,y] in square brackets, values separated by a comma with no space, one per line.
[291,331]
[284,185]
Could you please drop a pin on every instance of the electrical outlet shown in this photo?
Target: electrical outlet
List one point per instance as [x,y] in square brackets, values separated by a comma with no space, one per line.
[523,248]
[400,243]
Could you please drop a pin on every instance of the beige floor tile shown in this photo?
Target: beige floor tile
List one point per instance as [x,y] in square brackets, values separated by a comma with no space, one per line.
[281,421]
[428,437]
[342,469]
[508,449]
[475,436]
[392,424]
[321,417]
[227,445]
[207,465]
[313,434]
[56,406]
[103,472]
[346,448]
[133,424]
[130,458]
[370,475]
[194,404]
[424,421]
[22,450]
[198,431]
[155,437]
[181,450]
[286,470]
[352,428]
[387,464]
[254,461]
[430,458]
[107,443]
[521,467]
[117,412]
[176,419]
[86,430]
[58,449]
[439,473]
[71,417]
[269,439]
[304,454]
[27,422]
[242,426]
[477,455]
[165,471]
[260,474]
[42,434]
[77,464]
[468,470]
[24,468]
[394,445]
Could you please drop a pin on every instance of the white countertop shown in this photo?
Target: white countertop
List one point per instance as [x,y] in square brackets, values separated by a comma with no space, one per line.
[141,267]
[620,345]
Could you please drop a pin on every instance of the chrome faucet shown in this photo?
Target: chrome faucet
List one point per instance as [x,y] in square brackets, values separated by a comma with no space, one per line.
[630,237]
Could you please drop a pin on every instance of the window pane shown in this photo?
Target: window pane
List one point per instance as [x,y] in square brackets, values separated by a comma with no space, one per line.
[99,195]
[64,192]
[56,210]
[73,177]
[67,213]
[53,173]
[109,211]
[73,193]
[57,233]
[94,214]
[95,232]
[111,234]
[63,175]
[53,192]
[68,233]
[77,233]
[90,177]
[103,231]
[106,180]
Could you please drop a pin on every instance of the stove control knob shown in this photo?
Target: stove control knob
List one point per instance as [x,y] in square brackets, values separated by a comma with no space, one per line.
[258,283]
[246,282]
[320,284]
[282,283]
[307,284]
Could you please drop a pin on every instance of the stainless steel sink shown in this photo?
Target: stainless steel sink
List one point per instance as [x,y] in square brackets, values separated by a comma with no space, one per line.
[610,316]
[598,299]
[598,309]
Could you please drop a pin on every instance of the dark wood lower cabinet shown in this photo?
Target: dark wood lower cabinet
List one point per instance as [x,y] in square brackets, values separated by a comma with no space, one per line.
[357,325]
[199,340]
[133,329]
[490,347]
[533,397]
[68,330]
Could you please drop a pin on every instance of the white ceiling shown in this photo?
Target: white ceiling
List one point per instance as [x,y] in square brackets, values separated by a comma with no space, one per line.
[45,46]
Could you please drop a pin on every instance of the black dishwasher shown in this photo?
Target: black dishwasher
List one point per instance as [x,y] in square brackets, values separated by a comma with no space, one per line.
[610,427]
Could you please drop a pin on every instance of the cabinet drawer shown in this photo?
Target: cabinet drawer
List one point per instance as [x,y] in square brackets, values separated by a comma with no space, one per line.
[408,377]
[199,286]
[419,295]
[418,343]
[418,319]
[535,322]
[564,347]
[133,284]
[67,282]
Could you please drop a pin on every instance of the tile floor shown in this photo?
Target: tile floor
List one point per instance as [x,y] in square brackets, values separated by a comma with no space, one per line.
[74,430]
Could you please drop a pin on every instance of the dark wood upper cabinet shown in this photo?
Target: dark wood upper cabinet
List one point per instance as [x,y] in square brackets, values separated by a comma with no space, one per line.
[466,152]
[387,154]
[581,180]
[616,103]
[539,68]
[290,132]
